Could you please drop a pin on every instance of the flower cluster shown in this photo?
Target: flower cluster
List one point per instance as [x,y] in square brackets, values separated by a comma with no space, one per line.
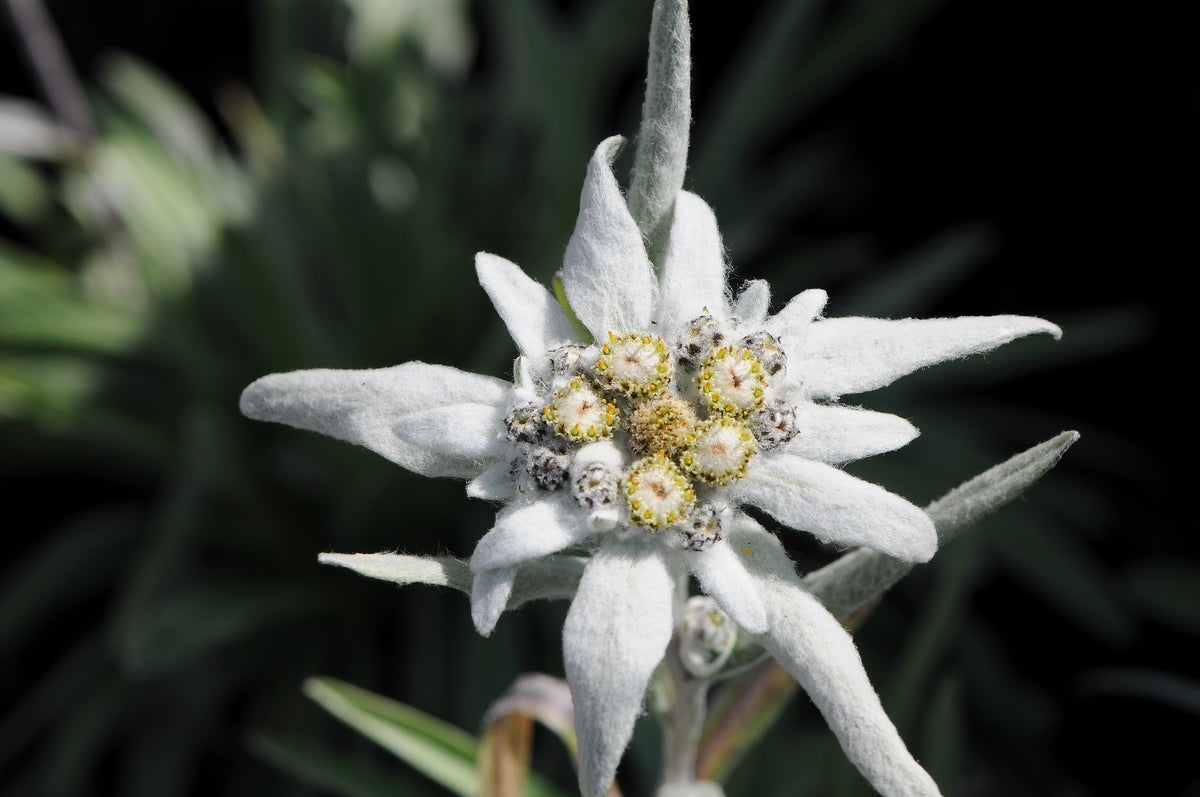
[640,445]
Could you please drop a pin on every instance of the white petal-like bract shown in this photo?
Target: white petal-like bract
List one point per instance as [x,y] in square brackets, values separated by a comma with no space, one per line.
[535,319]
[841,356]
[363,407]
[614,637]
[837,507]
[526,531]
[607,276]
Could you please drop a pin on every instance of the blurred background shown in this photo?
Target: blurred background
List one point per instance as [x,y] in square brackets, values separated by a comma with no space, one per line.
[222,189]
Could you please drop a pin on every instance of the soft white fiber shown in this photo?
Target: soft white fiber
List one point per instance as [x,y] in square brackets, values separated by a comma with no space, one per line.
[529,530]
[489,596]
[840,356]
[837,507]
[835,434]
[614,637]
[814,648]
[723,576]
[363,407]
[606,274]
[693,274]
[535,319]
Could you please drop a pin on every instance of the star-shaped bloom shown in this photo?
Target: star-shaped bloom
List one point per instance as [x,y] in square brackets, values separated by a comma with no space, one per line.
[640,441]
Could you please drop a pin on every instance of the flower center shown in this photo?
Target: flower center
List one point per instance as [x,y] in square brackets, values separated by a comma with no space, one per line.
[657,492]
[660,424]
[577,412]
[635,365]
[720,450]
[732,381]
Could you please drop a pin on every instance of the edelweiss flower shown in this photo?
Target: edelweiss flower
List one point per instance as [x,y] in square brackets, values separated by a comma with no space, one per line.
[642,445]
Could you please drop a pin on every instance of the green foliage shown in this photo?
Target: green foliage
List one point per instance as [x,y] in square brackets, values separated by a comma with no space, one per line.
[329,219]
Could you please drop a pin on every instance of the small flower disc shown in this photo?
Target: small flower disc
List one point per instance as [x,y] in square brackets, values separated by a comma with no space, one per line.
[775,425]
[732,381]
[577,412]
[720,450]
[524,424]
[634,364]
[767,348]
[660,424]
[657,492]
[702,335]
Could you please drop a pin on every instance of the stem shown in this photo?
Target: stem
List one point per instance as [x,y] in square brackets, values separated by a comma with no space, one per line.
[683,722]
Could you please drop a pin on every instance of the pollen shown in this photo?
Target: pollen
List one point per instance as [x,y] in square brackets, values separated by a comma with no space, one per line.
[732,381]
[657,493]
[662,424]
[578,412]
[720,450]
[634,364]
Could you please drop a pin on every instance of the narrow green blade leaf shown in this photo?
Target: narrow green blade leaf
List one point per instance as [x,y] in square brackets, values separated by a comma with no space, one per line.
[1068,576]
[1168,688]
[1168,591]
[179,627]
[435,748]
[328,770]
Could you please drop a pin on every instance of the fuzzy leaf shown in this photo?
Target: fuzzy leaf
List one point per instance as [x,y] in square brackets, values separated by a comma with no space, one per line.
[860,576]
[662,144]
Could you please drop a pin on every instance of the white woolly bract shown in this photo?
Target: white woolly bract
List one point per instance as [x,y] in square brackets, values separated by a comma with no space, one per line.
[467,431]
[615,635]
[837,507]
[526,531]
[363,406]
[694,269]
[489,596]
[840,356]
[812,646]
[723,576]
[606,274]
[534,318]
[834,434]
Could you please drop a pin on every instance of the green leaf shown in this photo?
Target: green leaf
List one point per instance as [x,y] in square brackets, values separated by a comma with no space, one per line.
[1068,576]
[907,287]
[71,326]
[435,748]
[1168,591]
[859,577]
[177,628]
[940,621]
[24,194]
[25,275]
[560,293]
[1168,688]
[322,768]
[74,560]
[944,733]
[78,673]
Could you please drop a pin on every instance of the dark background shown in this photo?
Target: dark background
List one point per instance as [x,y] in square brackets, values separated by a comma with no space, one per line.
[1064,130]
